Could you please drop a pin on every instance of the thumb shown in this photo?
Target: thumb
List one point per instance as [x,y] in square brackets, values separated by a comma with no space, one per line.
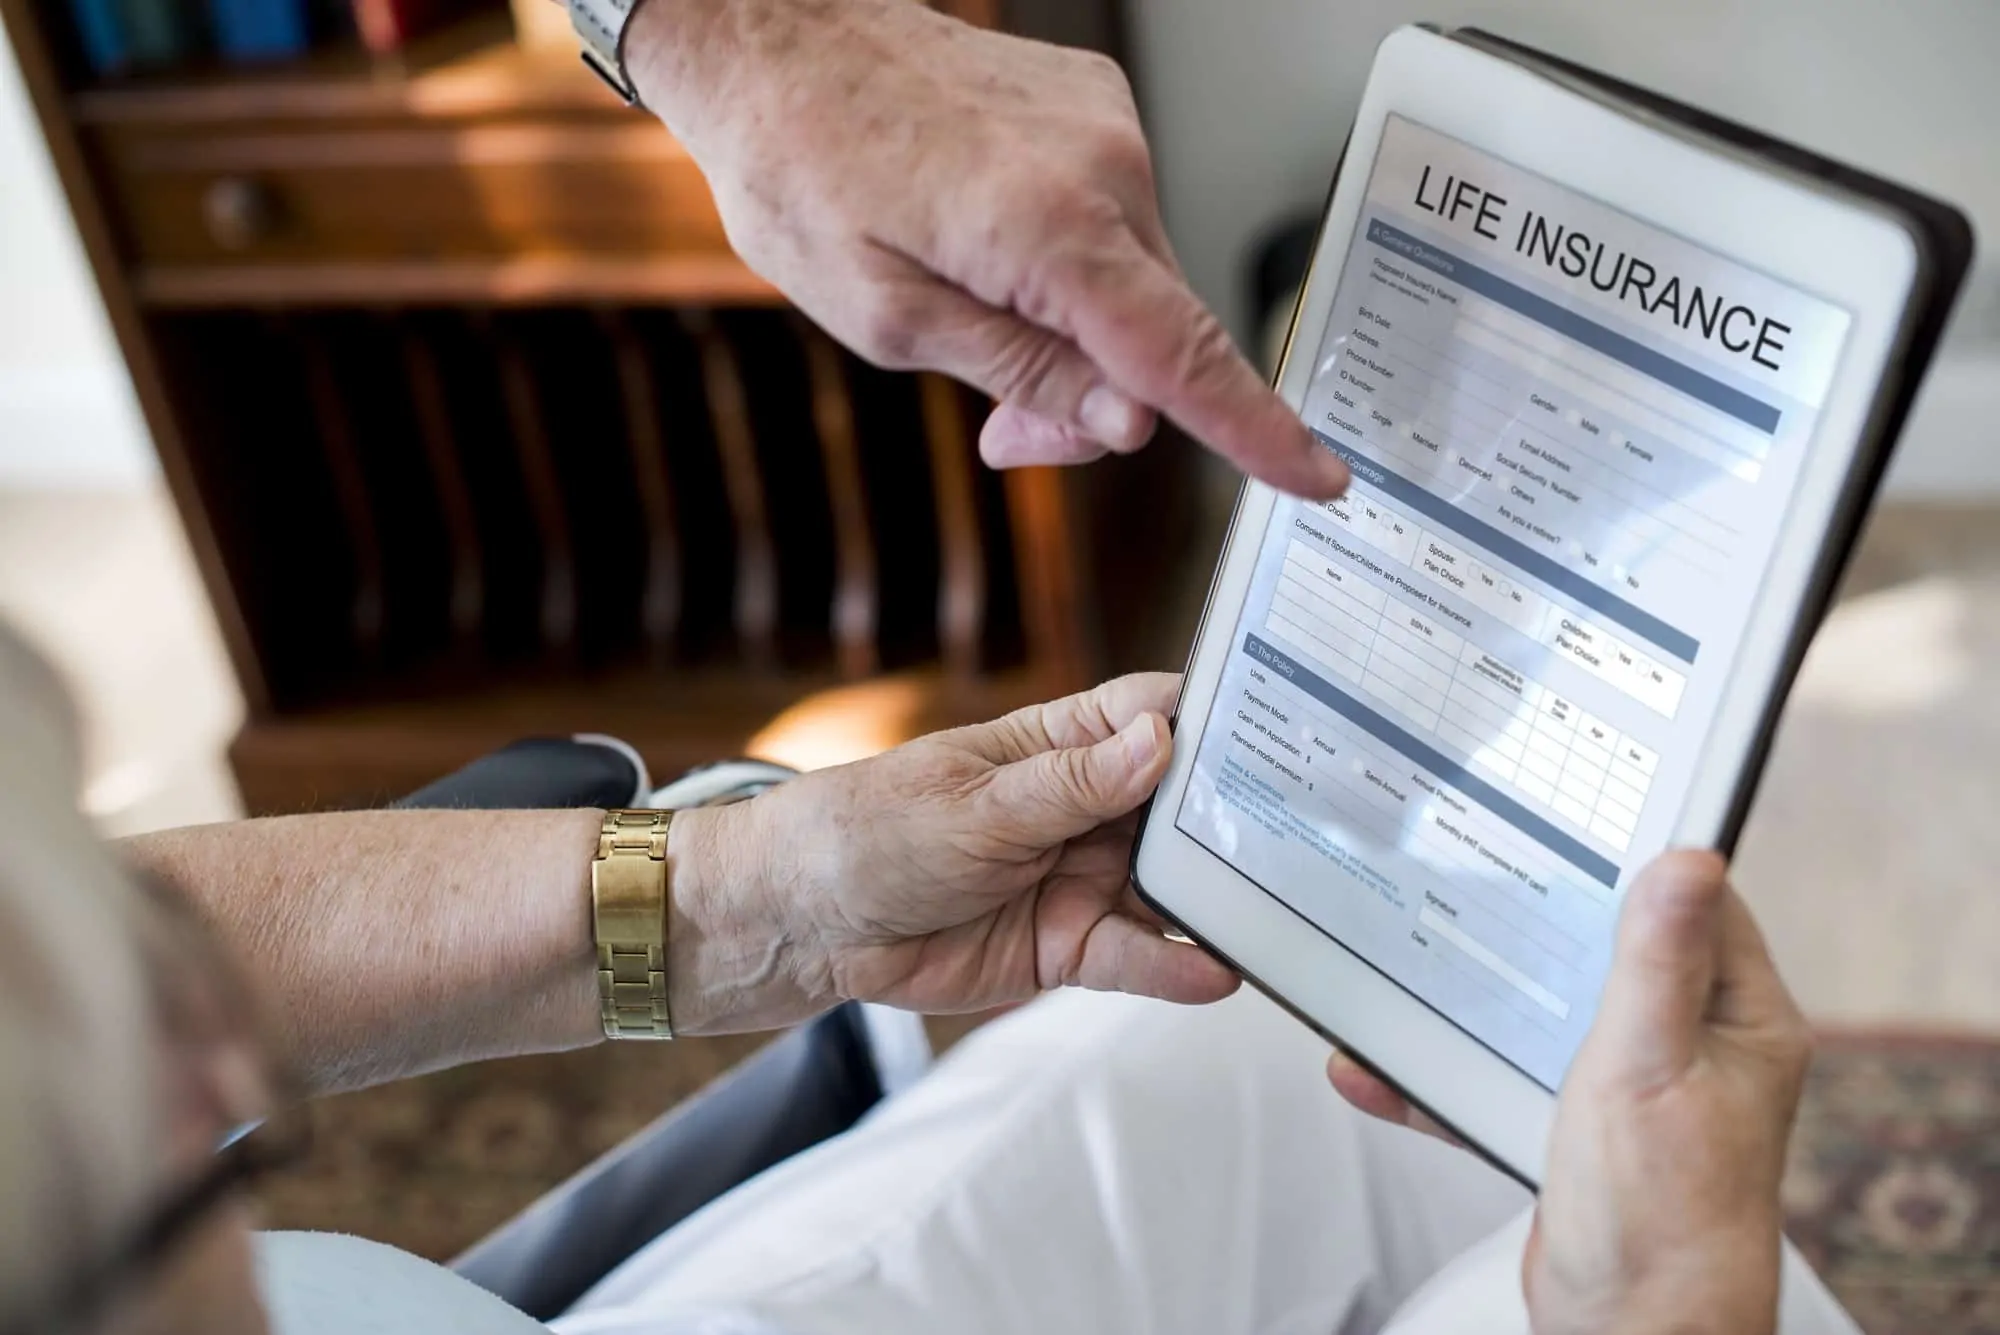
[1065,792]
[1663,970]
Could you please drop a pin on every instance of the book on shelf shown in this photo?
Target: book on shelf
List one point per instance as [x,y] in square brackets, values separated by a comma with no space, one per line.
[119,36]
[260,30]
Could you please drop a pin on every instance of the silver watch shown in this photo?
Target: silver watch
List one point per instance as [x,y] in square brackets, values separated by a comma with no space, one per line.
[601,24]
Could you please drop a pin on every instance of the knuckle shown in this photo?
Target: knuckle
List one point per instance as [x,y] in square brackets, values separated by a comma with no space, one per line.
[1787,1047]
[1799,1042]
[1072,780]
[1203,353]
[887,326]
[1120,152]
[1068,970]
[1055,204]
[1089,210]
[1104,71]
[1023,368]
[1076,270]
[1100,64]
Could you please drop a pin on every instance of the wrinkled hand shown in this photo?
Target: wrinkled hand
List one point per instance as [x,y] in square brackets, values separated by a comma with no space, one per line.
[943,197]
[1660,1208]
[962,871]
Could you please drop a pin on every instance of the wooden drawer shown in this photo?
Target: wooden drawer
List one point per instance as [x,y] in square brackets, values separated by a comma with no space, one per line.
[364,212]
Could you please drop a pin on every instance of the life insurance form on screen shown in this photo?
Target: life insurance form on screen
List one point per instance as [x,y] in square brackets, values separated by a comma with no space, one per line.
[1464,703]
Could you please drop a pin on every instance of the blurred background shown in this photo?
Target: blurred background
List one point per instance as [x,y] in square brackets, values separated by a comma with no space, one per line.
[321,326]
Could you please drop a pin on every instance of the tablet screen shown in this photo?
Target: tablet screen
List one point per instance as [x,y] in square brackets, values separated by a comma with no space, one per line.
[1464,704]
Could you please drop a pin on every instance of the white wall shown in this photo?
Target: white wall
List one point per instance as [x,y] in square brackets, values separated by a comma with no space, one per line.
[67,415]
[1249,100]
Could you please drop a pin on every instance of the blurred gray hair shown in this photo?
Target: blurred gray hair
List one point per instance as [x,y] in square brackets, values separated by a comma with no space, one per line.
[79,1097]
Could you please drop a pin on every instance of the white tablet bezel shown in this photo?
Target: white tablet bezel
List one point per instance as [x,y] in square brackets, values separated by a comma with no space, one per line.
[1859,258]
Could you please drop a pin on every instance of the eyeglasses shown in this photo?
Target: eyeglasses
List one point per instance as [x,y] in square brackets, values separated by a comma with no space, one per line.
[272,1145]
[200,1000]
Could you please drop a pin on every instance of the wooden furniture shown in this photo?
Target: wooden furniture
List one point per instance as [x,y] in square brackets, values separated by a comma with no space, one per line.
[392,328]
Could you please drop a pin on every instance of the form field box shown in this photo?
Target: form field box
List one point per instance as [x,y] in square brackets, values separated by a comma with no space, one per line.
[1479,952]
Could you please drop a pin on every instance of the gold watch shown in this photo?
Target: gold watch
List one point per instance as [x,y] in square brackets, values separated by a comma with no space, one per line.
[628,902]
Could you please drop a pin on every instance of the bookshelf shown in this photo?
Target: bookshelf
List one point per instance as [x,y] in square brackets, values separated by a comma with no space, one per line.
[393,326]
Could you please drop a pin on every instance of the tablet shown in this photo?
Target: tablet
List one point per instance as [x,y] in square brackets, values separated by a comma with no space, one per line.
[1616,381]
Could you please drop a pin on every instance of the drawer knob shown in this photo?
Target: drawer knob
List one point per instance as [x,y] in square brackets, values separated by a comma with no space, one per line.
[241,211]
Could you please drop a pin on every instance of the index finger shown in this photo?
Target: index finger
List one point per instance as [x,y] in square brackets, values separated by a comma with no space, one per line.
[1138,320]
[1368,1093]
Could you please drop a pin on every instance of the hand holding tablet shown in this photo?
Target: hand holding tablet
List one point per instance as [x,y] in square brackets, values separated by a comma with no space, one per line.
[1661,1202]
[1616,382]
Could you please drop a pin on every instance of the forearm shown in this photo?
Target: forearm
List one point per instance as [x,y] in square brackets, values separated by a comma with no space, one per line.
[389,943]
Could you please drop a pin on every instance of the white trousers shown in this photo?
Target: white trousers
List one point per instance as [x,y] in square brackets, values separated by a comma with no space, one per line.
[1095,1163]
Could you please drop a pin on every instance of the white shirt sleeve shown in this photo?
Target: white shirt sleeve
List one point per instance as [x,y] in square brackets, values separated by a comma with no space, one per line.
[332,1284]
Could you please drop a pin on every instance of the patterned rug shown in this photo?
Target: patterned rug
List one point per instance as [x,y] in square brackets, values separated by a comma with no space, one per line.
[432,1165]
[1893,1191]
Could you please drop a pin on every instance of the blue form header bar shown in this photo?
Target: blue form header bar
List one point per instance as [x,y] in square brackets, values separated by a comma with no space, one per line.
[1572,850]
[1743,407]
[1508,548]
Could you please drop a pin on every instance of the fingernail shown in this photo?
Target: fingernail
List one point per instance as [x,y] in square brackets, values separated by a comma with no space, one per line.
[1142,741]
[1109,416]
[1679,899]
[1696,880]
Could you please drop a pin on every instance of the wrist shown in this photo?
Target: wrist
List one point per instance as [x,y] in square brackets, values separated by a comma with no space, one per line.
[709,68]
[738,954]
[678,55]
